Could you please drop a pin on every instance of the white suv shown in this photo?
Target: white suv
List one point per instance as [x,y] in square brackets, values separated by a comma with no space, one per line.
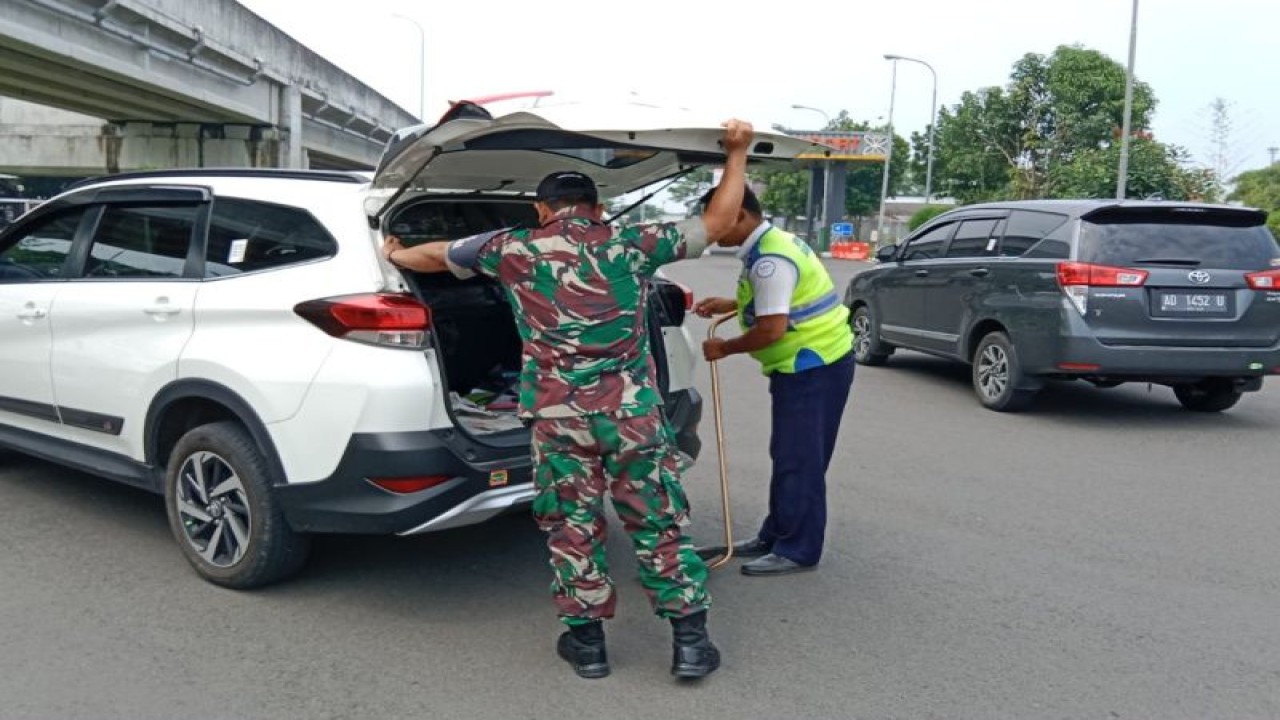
[235,340]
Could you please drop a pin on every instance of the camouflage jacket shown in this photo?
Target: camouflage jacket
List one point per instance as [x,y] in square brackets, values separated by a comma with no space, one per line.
[579,291]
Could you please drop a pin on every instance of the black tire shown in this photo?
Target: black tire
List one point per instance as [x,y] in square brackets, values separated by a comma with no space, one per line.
[998,379]
[1208,396]
[223,513]
[868,348]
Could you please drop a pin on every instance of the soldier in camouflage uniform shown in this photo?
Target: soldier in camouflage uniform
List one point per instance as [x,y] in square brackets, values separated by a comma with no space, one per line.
[578,288]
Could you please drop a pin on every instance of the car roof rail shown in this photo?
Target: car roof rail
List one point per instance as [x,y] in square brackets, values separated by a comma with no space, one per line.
[343,176]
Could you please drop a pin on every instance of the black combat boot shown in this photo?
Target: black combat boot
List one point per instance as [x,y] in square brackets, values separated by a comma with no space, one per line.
[695,655]
[582,646]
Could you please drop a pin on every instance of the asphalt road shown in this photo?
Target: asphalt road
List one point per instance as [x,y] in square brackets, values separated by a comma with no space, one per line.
[1106,555]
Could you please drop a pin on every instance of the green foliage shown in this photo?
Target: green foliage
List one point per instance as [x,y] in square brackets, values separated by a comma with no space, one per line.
[1259,188]
[1155,169]
[1273,223]
[978,146]
[924,215]
[1053,131]
[864,180]
[786,191]
[690,188]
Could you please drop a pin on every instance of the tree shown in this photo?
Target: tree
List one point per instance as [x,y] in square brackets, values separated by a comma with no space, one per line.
[924,215]
[1155,169]
[1009,142]
[864,180]
[786,191]
[690,188]
[918,168]
[1259,188]
[977,146]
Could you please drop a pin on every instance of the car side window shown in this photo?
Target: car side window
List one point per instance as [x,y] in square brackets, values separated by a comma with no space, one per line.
[1026,228]
[1055,246]
[41,252]
[974,238]
[245,235]
[141,242]
[929,245]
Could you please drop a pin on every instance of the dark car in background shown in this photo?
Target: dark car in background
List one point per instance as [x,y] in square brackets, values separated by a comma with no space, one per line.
[1179,294]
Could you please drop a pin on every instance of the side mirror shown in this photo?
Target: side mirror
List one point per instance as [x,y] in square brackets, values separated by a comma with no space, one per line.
[887,253]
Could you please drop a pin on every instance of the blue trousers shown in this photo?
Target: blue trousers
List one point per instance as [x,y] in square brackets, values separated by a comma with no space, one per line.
[807,407]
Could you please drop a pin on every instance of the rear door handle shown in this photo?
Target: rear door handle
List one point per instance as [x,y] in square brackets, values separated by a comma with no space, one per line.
[162,307]
[31,312]
[979,272]
[922,273]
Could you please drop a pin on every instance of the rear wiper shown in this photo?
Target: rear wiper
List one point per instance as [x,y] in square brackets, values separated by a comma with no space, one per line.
[648,197]
[1189,262]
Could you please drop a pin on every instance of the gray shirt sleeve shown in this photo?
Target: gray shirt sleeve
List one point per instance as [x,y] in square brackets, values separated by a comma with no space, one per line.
[773,281]
[695,237]
[463,256]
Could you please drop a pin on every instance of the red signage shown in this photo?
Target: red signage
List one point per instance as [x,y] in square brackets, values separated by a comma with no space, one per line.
[844,144]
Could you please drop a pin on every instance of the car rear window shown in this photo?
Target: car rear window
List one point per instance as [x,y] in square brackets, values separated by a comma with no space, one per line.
[1223,239]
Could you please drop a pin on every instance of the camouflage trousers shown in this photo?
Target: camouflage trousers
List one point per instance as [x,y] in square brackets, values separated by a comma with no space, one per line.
[578,459]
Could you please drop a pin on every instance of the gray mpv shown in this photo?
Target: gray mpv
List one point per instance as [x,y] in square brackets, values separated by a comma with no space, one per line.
[1180,294]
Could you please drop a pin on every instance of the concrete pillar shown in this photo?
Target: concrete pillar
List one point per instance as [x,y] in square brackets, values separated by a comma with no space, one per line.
[812,205]
[291,127]
[833,196]
[111,145]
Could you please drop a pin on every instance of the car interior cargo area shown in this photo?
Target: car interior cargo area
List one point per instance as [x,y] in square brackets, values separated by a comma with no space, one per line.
[474,329]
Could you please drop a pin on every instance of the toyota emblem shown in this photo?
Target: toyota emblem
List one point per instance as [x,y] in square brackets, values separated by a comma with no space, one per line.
[1199,277]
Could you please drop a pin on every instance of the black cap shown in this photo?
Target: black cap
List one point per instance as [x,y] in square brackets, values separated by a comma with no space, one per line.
[559,185]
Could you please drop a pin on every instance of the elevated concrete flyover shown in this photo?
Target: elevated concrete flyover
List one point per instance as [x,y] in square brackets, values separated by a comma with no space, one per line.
[179,78]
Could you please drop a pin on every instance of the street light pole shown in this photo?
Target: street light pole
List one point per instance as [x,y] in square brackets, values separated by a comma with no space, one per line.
[933,122]
[888,154]
[1123,179]
[422,66]
[821,112]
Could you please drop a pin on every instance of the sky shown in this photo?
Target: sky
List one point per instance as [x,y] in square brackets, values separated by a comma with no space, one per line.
[756,60]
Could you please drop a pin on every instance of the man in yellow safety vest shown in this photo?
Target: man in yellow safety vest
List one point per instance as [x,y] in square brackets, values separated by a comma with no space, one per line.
[796,327]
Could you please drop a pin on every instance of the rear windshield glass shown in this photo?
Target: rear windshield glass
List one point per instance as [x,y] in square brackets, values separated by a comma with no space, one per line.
[1227,240]
[454,219]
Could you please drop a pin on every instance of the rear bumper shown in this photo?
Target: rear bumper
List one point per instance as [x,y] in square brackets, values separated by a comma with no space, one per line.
[483,482]
[1155,364]
[347,502]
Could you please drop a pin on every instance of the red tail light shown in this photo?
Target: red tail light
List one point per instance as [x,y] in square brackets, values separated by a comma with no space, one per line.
[1076,278]
[688,296]
[1075,273]
[406,485]
[1265,280]
[376,319]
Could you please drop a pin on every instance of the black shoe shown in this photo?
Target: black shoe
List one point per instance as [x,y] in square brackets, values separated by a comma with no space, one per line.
[774,565]
[582,646]
[695,656]
[753,548]
[746,549]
